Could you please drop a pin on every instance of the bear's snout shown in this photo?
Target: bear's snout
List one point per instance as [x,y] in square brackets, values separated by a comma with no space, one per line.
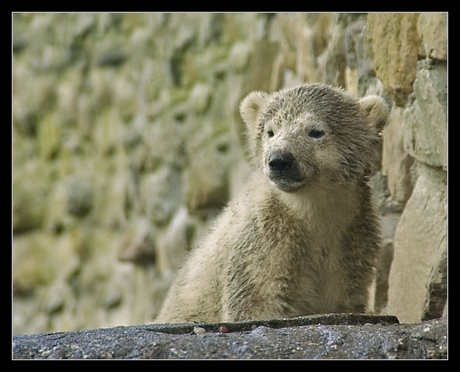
[283,170]
[280,161]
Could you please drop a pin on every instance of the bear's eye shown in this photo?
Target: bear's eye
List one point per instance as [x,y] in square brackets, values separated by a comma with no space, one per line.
[270,133]
[315,133]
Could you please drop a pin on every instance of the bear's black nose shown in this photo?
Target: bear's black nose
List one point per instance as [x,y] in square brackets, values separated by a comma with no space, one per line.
[280,161]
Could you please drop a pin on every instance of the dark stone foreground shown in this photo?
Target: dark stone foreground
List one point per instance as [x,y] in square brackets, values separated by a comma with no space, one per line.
[333,336]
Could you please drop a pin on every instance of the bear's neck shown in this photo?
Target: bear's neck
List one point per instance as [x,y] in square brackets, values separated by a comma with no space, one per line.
[331,204]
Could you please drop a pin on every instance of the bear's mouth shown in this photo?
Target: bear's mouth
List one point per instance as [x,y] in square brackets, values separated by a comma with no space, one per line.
[287,183]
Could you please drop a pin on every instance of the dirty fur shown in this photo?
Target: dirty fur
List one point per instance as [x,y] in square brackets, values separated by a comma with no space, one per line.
[302,237]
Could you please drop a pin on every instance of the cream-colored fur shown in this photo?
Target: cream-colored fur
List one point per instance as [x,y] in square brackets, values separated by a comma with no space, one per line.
[302,237]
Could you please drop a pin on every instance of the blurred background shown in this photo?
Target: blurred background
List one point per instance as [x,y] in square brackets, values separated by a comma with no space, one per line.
[127,141]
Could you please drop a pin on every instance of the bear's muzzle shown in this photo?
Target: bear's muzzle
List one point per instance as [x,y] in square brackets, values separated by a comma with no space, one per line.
[280,161]
[283,171]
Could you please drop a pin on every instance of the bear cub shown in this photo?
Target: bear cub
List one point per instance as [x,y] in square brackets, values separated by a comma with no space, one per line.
[302,237]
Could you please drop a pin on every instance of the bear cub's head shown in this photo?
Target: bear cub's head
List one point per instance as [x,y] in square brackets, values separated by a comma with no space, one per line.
[312,134]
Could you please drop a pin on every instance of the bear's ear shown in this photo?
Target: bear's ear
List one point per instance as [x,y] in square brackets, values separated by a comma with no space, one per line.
[251,107]
[375,111]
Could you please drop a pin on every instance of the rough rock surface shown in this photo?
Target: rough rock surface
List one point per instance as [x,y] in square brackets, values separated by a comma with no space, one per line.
[396,54]
[333,336]
[415,249]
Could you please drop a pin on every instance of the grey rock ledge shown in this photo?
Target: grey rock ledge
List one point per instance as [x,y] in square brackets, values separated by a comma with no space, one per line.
[331,336]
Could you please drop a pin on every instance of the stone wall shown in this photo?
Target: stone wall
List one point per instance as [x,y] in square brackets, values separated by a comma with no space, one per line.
[127,142]
[417,46]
